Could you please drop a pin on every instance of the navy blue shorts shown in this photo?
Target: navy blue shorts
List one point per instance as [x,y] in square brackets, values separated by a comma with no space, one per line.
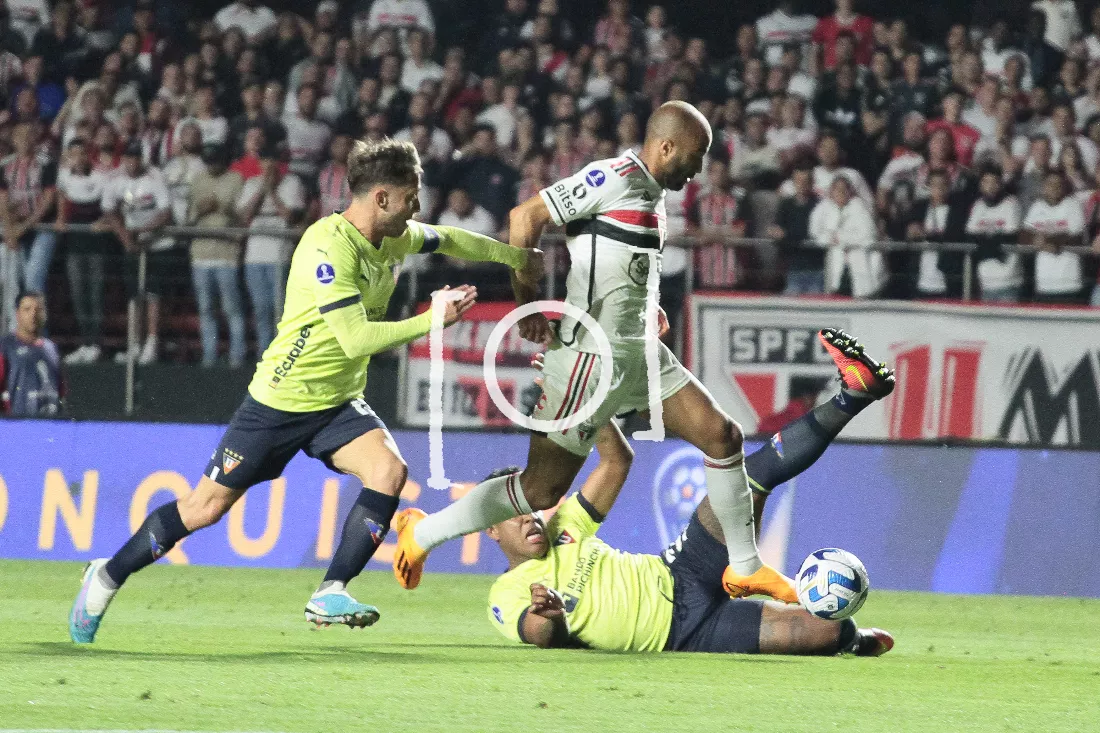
[704,617]
[261,440]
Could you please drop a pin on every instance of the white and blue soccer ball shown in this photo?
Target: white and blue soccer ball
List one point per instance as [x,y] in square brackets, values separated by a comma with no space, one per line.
[832,584]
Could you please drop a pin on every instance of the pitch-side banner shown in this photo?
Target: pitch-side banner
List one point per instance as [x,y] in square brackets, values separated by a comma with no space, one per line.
[1027,376]
[465,399]
[962,520]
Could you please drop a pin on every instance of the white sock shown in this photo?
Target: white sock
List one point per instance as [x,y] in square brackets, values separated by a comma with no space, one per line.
[99,593]
[330,586]
[487,503]
[731,500]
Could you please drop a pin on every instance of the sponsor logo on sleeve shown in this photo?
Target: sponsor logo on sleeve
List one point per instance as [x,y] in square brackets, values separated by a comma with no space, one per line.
[326,273]
[595,178]
[498,615]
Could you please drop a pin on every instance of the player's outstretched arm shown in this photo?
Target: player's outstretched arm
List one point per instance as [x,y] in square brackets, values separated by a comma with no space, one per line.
[603,485]
[476,247]
[526,223]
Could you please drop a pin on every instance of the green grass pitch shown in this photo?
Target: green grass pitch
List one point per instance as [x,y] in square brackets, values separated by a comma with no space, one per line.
[216,649]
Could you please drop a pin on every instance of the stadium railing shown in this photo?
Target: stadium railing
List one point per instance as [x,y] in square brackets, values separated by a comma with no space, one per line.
[553,285]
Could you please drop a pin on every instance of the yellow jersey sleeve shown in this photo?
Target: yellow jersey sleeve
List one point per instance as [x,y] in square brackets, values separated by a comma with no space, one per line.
[571,523]
[509,597]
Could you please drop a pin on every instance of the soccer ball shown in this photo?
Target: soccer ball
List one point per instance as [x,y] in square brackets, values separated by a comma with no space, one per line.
[832,584]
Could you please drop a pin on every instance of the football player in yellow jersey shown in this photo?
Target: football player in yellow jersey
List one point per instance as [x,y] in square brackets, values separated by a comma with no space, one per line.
[307,393]
[566,587]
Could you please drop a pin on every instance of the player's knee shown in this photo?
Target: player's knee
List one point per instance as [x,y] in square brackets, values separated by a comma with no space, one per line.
[198,511]
[724,438]
[386,476]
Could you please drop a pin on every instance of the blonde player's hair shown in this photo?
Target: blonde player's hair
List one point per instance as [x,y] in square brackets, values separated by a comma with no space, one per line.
[386,162]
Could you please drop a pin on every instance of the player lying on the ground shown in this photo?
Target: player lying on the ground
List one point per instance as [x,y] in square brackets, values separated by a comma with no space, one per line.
[613,212]
[307,393]
[565,587]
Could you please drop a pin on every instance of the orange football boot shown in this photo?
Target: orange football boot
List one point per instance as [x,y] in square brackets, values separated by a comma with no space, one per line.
[409,557]
[766,581]
[858,371]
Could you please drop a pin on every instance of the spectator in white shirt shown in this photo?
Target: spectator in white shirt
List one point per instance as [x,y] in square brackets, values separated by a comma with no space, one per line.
[844,222]
[79,193]
[136,203]
[828,168]
[1065,132]
[462,212]
[183,167]
[792,138]
[419,65]
[256,21]
[982,114]
[274,200]
[307,138]
[28,17]
[213,128]
[401,15]
[994,222]
[1092,40]
[502,109]
[1063,23]
[781,27]
[1052,223]
[420,112]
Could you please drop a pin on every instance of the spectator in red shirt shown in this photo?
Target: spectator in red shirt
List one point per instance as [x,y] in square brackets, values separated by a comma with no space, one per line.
[965,137]
[719,212]
[844,19]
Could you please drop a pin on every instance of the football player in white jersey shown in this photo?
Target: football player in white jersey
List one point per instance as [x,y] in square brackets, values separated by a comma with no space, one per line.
[613,211]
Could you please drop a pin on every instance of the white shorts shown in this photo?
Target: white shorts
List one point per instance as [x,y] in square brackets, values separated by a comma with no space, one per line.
[570,379]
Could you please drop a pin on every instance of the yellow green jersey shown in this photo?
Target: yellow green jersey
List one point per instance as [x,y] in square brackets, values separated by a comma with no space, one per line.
[337,292]
[614,600]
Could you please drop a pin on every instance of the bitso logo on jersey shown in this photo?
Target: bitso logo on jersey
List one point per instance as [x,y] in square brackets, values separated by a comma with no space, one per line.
[326,273]
[595,178]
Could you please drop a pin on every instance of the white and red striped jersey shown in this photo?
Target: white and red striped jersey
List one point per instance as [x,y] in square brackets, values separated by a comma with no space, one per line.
[614,216]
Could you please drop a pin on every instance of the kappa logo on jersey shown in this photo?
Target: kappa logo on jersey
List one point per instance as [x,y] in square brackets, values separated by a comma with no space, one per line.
[564,538]
[678,487]
[230,460]
[595,178]
[498,615]
[326,273]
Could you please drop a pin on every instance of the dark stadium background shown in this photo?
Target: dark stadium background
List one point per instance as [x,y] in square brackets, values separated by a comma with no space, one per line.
[714,20]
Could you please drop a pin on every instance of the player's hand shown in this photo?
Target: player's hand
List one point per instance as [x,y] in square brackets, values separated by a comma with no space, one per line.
[662,322]
[532,273]
[536,329]
[546,602]
[457,308]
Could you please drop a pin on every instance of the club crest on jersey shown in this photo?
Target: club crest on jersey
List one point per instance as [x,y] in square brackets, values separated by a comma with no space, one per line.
[564,538]
[230,460]
[595,178]
[326,273]
[571,602]
[638,269]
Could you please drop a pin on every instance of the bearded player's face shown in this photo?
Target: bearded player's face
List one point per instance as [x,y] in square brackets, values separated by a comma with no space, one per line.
[402,204]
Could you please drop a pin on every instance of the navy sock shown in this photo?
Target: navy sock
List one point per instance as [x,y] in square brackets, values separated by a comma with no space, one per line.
[364,529]
[158,534]
[800,443]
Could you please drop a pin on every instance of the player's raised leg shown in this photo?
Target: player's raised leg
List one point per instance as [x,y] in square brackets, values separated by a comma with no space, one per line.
[693,414]
[550,472]
[801,442]
[165,527]
[375,460]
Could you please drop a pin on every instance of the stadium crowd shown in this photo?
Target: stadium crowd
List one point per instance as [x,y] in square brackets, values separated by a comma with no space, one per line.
[845,130]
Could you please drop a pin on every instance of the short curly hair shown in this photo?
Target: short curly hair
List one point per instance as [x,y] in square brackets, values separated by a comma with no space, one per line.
[386,162]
